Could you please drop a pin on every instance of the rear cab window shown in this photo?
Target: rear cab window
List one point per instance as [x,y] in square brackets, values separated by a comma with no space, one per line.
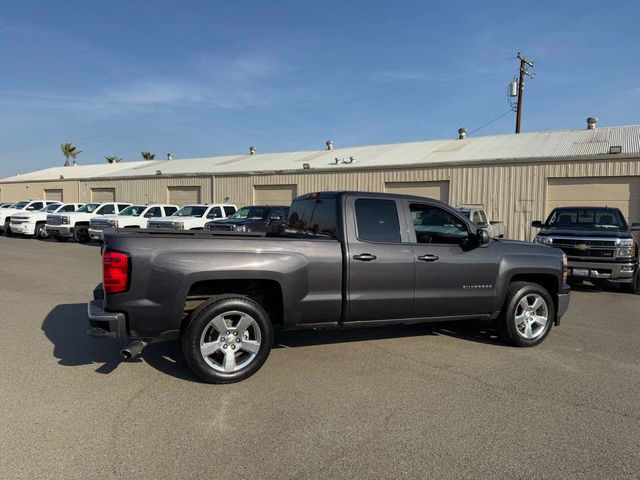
[313,215]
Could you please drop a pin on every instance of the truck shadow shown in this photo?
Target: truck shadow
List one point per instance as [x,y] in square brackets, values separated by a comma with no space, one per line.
[66,325]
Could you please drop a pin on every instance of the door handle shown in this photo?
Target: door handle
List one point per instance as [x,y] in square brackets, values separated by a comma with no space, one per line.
[365,257]
[429,258]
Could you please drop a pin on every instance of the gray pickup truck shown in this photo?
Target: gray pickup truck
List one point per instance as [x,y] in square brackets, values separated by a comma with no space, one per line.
[344,259]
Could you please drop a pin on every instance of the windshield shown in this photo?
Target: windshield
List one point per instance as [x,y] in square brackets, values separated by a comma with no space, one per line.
[133,211]
[51,208]
[19,205]
[191,211]
[252,213]
[604,218]
[88,208]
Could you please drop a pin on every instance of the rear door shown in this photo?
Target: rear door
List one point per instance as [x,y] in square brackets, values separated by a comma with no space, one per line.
[379,259]
[451,277]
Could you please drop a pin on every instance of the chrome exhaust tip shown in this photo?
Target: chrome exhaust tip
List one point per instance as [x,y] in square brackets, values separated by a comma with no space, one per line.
[132,350]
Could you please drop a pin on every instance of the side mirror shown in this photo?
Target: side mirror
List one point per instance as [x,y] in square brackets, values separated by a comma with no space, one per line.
[483,237]
[537,224]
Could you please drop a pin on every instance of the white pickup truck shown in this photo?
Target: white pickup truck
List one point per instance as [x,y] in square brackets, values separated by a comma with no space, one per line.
[34,223]
[64,226]
[193,217]
[22,206]
[477,215]
[134,216]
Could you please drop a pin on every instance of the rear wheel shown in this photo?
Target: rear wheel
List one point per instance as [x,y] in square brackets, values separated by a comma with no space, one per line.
[527,315]
[40,231]
[227,339]
[81,234]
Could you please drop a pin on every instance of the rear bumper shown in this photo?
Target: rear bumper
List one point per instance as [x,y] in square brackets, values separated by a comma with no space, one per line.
[612,271]
[104,324]
[60,230]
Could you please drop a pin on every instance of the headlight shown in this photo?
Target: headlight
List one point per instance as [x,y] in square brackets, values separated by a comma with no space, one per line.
[179,225]
[626,248]
[65,220]
[544,240]
[240,228]
[113,223]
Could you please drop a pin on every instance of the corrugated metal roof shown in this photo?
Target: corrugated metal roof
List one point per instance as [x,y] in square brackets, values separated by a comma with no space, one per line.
[524,146]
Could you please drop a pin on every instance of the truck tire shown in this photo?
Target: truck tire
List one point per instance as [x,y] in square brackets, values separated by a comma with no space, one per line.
[227,339]
[81,234]
[527,315]
[40,231]
[60,238]
[7,228]
[634,286]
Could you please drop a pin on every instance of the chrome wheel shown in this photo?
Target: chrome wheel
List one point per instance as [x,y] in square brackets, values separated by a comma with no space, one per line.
[230,341]
[531,316]
[41,231]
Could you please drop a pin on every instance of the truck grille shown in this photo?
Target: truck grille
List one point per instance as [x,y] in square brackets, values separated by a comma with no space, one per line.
[223,227]
[156,224]
[99,224]
[576,247]
[54,220]
[19,219]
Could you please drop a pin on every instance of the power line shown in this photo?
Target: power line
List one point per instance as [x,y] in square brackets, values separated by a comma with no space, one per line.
[491,121]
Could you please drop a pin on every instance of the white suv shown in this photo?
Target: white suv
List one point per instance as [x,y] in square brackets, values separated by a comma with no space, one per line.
[76,224]
[33,223]
[134,216]
[20,207]
[194,217]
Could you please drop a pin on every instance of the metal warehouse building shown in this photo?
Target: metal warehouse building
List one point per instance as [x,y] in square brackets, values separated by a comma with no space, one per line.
[517,178]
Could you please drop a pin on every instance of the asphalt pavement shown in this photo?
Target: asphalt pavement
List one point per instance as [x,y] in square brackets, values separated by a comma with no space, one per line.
[424,401]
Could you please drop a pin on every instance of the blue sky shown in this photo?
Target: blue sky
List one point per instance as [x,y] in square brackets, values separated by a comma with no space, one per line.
[201,78]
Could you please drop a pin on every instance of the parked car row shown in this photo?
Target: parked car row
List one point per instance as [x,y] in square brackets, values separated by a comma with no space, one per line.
[83,223]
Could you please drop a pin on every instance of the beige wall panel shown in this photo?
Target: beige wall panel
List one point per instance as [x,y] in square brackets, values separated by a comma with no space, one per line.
[184,195]
[148,190]
[54,194]
[436,190]
[620,192]
[274,194]
[103,194]
[36,190]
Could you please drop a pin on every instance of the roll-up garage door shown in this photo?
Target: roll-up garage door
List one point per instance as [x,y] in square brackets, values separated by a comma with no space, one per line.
[103,194]
[53,194]
[620,192]
[184,195]
[274,194]
[436,190]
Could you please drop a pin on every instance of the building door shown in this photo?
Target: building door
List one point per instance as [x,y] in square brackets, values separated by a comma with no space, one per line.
[274,194]
[620,192]
[435,190]
[53,194]
[103,194]
[182,196]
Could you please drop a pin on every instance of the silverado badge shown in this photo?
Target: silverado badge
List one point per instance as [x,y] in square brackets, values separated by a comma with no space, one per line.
[582,247]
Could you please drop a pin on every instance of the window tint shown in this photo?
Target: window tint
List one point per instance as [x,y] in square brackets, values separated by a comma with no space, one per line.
[122,206]
[476,218]
[35,206]
[153,212]
[313,215]
[586,218]
[483,218]
[168,211]
[107,210]
[434,225]
[215,212]
[228,211]
[377,220]
[68,208]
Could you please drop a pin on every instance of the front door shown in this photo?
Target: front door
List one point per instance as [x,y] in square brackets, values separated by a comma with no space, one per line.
[380,260]
[451,278]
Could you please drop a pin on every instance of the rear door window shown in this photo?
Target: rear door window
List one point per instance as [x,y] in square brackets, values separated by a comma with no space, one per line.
[377,220]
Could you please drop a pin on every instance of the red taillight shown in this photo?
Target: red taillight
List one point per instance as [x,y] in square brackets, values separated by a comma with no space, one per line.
[115,272]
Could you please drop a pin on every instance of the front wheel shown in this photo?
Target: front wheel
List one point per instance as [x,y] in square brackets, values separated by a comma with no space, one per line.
[227,339]
[40,231]
[81,234]
[7,228]
[634,286]
[527,315]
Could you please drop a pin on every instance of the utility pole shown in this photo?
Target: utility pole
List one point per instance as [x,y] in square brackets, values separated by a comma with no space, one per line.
[523,72]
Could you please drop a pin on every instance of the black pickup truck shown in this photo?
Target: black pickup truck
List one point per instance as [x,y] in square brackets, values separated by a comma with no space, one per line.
[598,243]
[344,259]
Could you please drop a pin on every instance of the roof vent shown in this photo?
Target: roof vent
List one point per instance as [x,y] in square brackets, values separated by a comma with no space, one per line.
[61,177]
[462,133]
[169,156]
[75,163]
[329,144]
[158,172]
[252,150]
[591,123]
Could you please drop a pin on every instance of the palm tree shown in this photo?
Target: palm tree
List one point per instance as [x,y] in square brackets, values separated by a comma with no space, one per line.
[69,150]
[113,159]
[148,155]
